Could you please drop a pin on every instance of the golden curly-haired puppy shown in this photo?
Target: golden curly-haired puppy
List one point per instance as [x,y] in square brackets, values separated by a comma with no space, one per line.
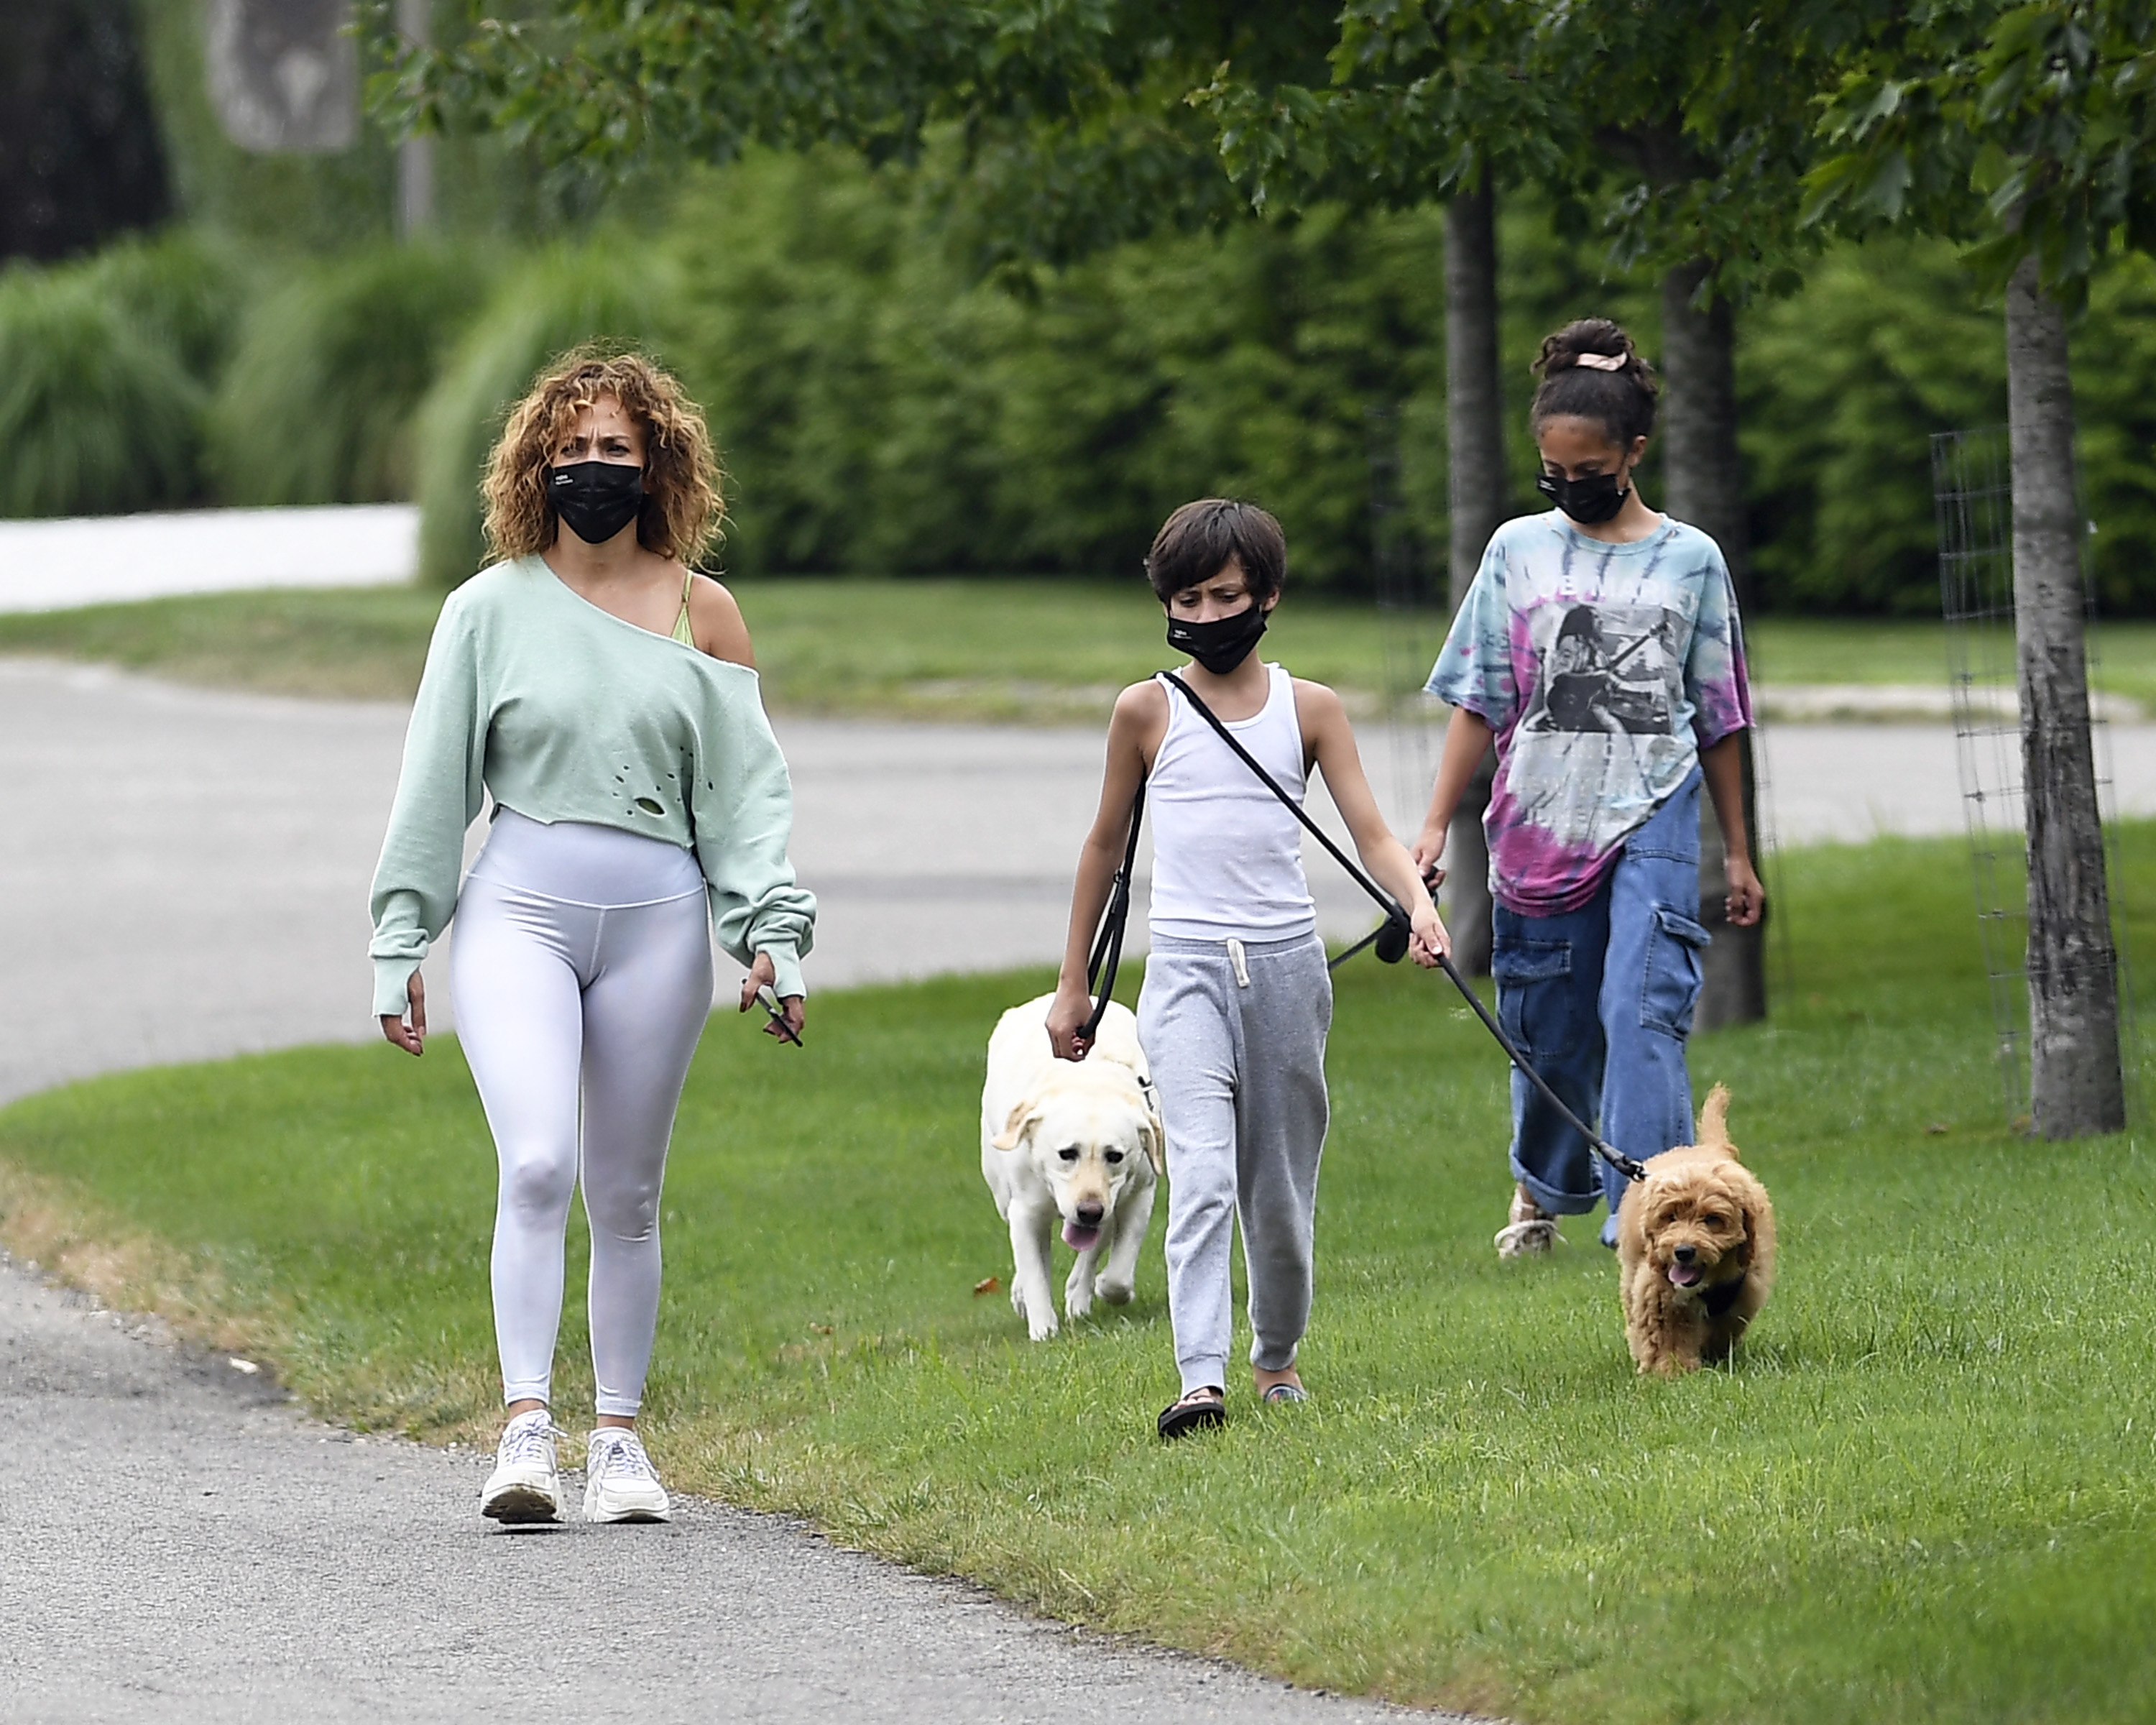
[1695,1250]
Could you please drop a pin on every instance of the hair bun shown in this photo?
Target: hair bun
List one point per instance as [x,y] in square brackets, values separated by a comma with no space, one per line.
[1593,342]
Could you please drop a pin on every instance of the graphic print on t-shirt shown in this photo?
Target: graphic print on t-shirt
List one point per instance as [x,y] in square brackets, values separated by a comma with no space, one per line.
[1608,668]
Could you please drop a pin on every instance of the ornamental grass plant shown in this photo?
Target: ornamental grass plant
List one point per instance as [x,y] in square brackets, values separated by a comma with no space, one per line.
[316,404]
[99,416]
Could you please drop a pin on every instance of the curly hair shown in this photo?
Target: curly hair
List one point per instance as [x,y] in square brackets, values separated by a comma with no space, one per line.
[682,515]
[1590,369]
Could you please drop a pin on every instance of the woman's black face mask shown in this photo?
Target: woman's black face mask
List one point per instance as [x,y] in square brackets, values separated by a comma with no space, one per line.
[1590,500]
[1222,644]
[595,500]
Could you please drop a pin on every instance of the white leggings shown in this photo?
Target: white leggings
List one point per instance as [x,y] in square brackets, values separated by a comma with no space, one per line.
[582,969]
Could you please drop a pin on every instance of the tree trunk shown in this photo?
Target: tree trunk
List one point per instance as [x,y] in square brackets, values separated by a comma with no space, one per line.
[1703,483]
[2074,1078]
[1476,503]
[415,155]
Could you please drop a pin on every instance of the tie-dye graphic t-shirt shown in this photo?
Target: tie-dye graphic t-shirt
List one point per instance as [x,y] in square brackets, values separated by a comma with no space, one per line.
[1604,669]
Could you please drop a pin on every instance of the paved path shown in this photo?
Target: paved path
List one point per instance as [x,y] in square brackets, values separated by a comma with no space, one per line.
[47,565]
[181,1546]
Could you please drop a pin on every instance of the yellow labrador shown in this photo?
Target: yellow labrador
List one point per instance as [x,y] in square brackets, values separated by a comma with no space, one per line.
[1080,1142]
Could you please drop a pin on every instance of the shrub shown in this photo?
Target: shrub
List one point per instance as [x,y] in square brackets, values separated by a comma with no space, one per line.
[878,411]
[316,406]
[798,275]
[548,304]
[96,417]
[1245,364]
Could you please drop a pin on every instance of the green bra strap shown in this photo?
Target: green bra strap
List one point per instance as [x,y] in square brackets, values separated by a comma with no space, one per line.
[682,632]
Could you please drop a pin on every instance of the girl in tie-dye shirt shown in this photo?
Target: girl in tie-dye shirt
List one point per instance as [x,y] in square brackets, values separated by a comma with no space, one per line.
[1600,650]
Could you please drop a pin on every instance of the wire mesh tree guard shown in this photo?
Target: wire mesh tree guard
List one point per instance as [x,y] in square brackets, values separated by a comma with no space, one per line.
[1973,496]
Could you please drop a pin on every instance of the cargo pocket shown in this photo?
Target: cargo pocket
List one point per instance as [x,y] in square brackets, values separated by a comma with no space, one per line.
[1673,972]
[1534,996]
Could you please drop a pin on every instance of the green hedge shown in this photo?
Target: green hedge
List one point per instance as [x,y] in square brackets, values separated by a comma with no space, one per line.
[881,412]
[878,410]
[1844,384]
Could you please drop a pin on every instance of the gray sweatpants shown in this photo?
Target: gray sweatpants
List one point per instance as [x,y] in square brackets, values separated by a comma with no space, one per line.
[1236,1035]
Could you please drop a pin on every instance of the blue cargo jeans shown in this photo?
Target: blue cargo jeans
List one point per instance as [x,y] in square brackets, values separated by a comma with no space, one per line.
[1600,1000]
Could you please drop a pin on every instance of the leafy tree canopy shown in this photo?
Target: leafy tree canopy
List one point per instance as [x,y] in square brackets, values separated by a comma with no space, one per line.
[1071,116]
[2022,131]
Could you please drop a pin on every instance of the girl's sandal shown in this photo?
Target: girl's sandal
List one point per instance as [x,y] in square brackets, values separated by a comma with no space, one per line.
[1279,1393]
[1207,1407]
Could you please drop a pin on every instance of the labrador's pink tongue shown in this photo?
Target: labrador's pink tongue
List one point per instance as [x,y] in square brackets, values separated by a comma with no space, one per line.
[1080,1239]
[1684,1275]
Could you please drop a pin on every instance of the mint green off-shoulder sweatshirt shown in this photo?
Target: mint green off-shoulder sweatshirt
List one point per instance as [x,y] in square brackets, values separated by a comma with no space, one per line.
[566,712]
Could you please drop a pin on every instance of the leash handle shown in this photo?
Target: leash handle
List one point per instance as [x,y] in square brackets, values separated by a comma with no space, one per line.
[1625,1165]
[1107,953]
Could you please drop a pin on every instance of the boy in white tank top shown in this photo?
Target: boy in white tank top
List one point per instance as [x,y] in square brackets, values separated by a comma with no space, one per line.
[1237,999]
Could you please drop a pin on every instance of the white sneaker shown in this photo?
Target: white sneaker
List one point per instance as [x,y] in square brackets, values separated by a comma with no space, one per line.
[620,1482]
[525,1486]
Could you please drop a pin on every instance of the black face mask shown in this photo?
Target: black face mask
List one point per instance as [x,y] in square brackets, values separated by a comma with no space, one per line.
[1220,646]
[595,500]
[1590,500]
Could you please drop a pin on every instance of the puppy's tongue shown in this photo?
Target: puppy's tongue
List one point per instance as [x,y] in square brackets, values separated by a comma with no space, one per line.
[1080,1239]
[1685,1276]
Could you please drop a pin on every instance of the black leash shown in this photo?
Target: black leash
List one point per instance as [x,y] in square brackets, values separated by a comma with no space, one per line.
[1628,1166]
[1108,939]
[1390,936]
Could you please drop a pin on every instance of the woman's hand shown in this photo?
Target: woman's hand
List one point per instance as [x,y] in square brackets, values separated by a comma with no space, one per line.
[764,974]
[1748,898]
[411,1037]
[1066,1022]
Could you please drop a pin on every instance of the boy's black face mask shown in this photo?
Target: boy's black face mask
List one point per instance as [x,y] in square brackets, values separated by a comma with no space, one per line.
[595,500]
[1222,644]
[1590,500]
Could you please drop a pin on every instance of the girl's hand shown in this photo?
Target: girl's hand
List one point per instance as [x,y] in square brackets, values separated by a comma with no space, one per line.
[1429,847]
[1426,937]
[763,975]
[1748,898]
[412,1038]
[1066,1021]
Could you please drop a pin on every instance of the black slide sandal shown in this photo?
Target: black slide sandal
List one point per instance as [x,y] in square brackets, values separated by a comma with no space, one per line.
[1201,1408]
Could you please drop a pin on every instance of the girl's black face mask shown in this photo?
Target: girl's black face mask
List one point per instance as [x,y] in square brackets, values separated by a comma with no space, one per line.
[1590,500]
[1222,644]
[595,500]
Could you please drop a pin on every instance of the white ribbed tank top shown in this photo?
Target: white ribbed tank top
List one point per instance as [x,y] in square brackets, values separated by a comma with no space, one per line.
[1227,858]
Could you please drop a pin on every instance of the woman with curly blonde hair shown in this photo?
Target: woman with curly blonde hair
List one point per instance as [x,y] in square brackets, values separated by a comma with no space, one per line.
[605,695]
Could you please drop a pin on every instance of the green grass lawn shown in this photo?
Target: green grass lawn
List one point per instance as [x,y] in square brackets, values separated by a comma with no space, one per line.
[1927,1490]
[986,649]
